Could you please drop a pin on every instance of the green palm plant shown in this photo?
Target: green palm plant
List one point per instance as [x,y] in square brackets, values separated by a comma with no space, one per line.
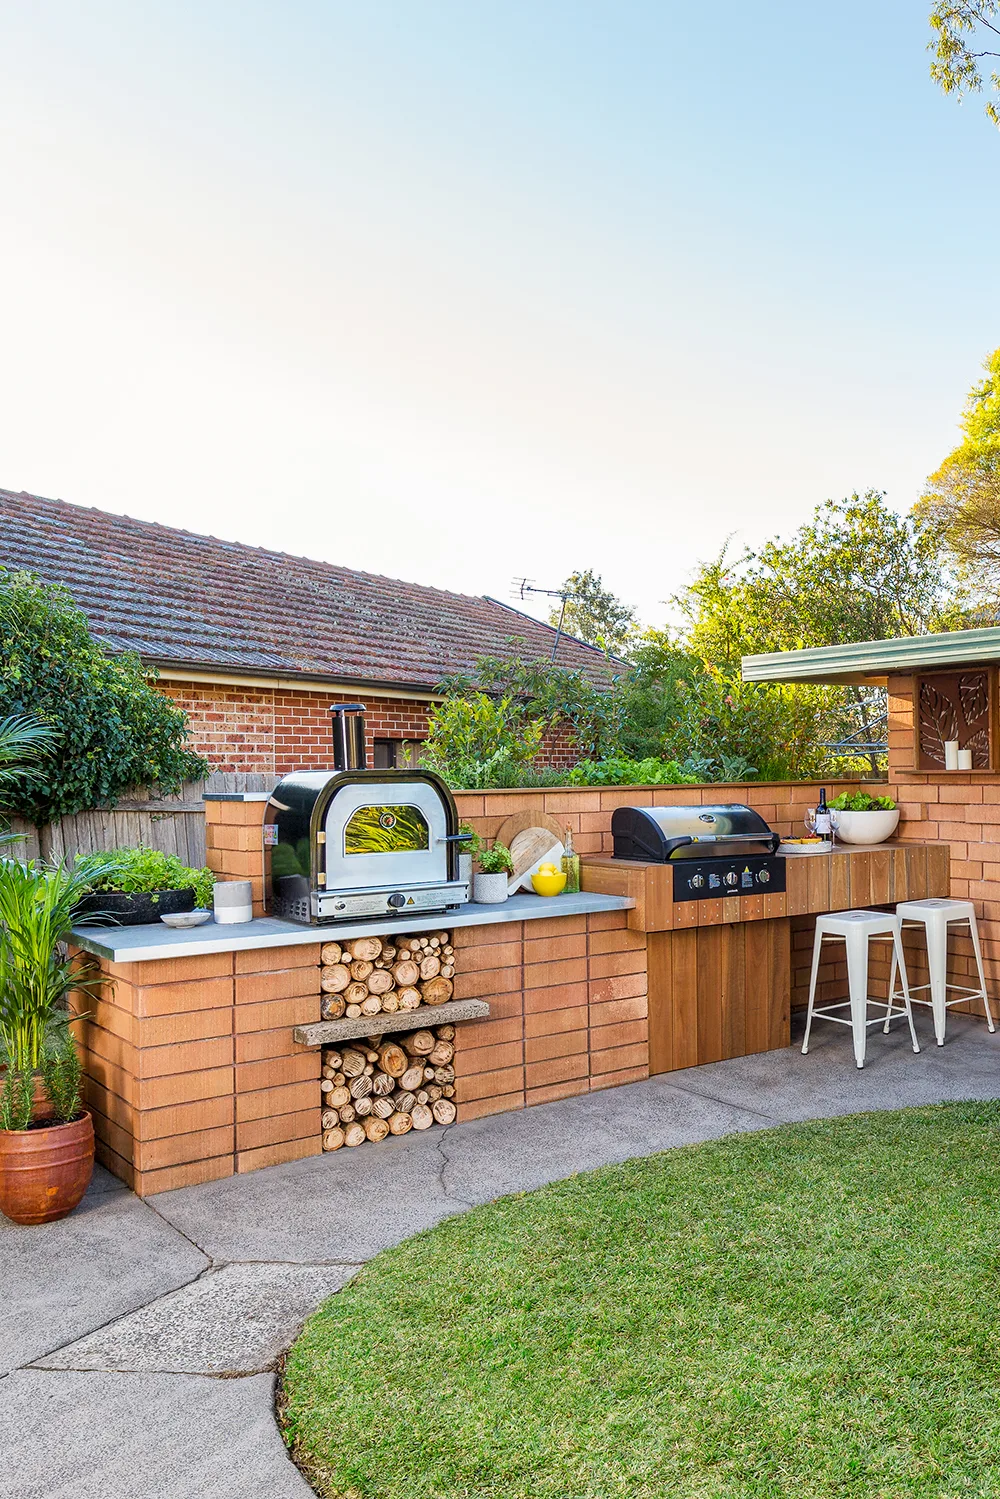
[37,902]
[24,743]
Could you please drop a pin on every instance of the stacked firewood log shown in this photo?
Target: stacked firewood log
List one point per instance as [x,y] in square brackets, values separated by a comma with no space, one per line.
[387,1085]
[376,976]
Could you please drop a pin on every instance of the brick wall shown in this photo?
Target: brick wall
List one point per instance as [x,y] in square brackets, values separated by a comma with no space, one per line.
[567,1011]
[962,809]
[587,809]
[234,843]
[278,730]
[190,1070]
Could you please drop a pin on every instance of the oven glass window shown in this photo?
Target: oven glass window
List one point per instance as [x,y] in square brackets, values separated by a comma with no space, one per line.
[386,830]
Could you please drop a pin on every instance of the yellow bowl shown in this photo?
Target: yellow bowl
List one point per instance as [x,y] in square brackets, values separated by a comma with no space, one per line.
[549,884]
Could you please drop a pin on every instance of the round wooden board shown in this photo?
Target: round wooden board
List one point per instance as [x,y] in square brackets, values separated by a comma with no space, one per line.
[519,821]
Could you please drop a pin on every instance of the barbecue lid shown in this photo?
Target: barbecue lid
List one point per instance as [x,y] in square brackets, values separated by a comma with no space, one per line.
[659,833]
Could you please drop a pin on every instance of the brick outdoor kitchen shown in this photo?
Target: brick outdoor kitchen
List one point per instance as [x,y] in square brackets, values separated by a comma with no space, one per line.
[205,1054]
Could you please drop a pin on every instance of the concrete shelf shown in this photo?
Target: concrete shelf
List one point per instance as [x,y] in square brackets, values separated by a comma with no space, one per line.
[147,944]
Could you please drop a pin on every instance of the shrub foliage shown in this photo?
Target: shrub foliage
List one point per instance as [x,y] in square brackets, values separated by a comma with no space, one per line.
[113,730]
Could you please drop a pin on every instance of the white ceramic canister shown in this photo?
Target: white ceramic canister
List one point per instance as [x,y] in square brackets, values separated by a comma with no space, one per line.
[233,901]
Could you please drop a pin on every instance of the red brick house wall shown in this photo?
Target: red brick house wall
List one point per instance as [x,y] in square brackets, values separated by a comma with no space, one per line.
[275,730]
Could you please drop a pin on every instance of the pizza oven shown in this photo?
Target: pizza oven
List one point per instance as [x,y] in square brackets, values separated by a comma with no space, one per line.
[352,843]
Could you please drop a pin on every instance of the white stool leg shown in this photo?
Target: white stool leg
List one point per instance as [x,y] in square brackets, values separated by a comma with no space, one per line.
[892,986]
[937,962]
[817,950]
[857,984]
[897,946]
[982,976]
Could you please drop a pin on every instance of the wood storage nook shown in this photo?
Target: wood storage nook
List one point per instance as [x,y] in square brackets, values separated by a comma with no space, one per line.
[387,1085]
[370,976]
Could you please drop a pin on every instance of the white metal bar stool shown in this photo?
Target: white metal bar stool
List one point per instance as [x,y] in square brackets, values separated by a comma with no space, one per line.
[856,929]
[936,916]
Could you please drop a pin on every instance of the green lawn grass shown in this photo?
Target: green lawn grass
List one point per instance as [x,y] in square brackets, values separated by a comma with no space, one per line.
[812,1311]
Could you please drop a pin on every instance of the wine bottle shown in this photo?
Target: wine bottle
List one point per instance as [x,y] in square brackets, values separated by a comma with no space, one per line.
[824,823]
[570,864]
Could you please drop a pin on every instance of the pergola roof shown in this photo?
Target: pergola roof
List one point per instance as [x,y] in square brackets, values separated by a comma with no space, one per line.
[870,662]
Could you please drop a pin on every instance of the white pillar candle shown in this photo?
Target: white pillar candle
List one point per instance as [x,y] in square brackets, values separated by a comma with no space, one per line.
[965,759]
[951,754]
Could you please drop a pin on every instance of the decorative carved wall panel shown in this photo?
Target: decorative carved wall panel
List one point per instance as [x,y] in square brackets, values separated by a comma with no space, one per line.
[955,705]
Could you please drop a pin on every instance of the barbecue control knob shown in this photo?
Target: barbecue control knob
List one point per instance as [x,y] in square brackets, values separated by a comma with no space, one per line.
[731,877]
[696,881]
[763,877]
[396,901]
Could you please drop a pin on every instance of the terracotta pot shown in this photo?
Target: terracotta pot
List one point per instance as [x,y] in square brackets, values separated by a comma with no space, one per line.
[45,1172]
[41,1104]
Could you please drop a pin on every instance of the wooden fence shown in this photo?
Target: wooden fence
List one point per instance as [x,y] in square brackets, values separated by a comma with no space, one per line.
[172,824]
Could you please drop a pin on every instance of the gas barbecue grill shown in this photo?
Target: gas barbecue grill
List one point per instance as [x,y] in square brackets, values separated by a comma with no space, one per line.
[351,842]
[715,851]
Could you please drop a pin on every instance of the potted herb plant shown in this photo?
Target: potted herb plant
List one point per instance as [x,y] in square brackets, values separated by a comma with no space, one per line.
[467,850]
[495,866]
[37,905]
[144,885]
[45,1164]
[861,818]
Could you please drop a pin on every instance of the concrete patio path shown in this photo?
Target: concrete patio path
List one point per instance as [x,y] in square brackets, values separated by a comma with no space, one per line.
[138,1339]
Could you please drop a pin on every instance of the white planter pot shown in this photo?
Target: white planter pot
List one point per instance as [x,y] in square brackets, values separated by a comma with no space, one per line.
[465,869]
[866,827]
[490,889]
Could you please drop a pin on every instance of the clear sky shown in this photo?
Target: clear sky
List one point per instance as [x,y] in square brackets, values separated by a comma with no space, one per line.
[457,290]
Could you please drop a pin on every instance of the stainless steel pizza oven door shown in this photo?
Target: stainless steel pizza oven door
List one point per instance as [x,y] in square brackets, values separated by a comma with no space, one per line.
[381,831]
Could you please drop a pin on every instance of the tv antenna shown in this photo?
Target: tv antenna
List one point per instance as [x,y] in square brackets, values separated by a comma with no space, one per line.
[524,586]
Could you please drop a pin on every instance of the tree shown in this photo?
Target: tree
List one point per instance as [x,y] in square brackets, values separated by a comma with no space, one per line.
[595,615]
[112,730]
[962,500]
[855,571]
[964,33]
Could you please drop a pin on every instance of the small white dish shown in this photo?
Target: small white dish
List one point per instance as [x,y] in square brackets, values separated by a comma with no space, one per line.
[187,918]
[823,847]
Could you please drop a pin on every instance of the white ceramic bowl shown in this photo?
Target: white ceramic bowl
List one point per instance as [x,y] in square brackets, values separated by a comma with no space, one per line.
[187,918]
[866,827]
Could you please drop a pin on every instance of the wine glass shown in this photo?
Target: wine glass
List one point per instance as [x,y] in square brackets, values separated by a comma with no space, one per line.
[810,820]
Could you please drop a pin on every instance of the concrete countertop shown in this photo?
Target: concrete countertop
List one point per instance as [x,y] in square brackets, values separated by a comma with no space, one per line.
[147,944]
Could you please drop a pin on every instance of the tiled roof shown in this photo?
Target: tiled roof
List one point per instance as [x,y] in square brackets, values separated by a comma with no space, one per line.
[182,599]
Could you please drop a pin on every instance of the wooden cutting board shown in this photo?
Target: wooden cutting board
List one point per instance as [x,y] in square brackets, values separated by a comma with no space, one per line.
[528,849]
